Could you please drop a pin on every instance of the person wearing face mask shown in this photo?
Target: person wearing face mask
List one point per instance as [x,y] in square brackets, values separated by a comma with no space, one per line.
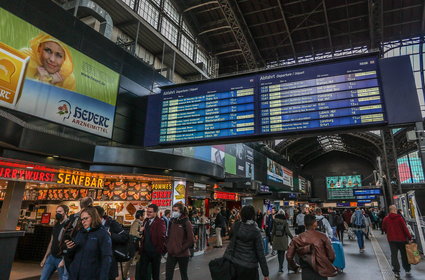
[180,240]
[91,250]
[53,259]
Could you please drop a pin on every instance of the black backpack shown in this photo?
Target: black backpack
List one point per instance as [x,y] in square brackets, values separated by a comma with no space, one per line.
[123,252]
[321,226]
[280,229]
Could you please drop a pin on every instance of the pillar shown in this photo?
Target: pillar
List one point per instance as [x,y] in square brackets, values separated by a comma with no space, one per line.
[8,220]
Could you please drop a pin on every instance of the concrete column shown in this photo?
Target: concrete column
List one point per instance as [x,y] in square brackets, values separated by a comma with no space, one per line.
[12,205]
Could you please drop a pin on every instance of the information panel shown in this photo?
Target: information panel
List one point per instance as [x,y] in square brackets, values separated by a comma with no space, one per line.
[336,94]
[222,109]
[340,94]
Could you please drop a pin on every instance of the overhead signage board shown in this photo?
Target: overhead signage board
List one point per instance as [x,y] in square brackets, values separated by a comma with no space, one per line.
[27,172]
[42,76]
[336,94]
[367,192]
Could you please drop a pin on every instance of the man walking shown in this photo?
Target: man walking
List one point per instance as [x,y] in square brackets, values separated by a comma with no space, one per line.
[153,243]
[398,235]
[315,252]
[167,217]
[323,224]
[300,222]
[220,223]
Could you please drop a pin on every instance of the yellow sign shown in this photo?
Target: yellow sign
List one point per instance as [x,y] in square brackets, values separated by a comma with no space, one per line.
[80,180]
[12,69]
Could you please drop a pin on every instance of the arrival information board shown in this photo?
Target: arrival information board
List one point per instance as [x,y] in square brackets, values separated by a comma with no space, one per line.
[322,96]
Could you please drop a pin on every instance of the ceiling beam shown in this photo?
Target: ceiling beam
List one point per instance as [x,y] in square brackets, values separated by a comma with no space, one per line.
[200,5]
[242,34]
[228,51]
[328,29]
[285,22]
[214,29]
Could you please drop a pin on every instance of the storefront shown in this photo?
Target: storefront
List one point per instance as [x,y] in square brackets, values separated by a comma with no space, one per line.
[45,187]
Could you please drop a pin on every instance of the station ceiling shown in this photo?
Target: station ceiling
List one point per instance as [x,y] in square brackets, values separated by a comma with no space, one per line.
[250,34]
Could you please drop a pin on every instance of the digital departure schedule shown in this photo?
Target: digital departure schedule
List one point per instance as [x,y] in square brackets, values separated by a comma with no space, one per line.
[310,98]
[220,110]
[338,94]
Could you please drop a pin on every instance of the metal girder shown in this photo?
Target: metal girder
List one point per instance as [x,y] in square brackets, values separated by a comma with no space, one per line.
[285,22]
[348,152]
[328,29]
[200,5]
[228,51]
[285,144]
[240,35]
[390,161]
[214,29]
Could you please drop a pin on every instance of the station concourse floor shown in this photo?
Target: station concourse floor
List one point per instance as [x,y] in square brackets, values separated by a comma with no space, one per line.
[373,264]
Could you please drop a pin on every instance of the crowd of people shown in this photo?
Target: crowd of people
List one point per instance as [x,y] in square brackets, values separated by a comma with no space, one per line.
[89,244]
[92,245]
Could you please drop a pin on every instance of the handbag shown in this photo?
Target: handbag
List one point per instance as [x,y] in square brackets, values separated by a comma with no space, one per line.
[413,256]
[221,268]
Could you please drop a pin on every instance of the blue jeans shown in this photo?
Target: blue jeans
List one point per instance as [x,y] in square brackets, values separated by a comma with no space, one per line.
[50,267]
[360,240]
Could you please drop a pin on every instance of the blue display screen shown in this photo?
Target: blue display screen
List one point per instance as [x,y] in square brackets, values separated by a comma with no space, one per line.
[322,96]
[367,192]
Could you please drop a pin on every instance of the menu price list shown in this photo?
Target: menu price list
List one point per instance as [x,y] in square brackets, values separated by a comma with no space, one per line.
[222,114]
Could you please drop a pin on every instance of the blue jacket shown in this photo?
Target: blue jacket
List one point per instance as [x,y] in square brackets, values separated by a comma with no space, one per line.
[91,256]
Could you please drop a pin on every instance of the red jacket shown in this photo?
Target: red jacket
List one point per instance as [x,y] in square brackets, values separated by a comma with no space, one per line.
[157,233]
[180,237]
[395,227]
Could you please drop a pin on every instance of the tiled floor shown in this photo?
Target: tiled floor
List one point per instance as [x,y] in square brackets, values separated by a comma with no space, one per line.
[358,266]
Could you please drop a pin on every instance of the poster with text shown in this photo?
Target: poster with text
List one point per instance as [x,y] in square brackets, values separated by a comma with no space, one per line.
[42,76]
[179,192]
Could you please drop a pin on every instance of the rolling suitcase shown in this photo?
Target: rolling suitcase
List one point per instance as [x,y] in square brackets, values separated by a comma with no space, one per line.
[266,245]
[339,261]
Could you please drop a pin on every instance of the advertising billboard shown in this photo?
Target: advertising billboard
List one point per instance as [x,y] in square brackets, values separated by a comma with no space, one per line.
[44,77]
[341,187]
[278,173]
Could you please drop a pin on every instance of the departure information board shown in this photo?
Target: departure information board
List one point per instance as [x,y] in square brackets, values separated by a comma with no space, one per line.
[336,94]
[219,110]
[347,94]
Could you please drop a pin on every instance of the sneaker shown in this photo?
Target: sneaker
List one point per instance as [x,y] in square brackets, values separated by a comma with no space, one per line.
[397,275]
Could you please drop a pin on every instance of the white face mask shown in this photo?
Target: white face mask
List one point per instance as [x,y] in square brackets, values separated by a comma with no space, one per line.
[175,215]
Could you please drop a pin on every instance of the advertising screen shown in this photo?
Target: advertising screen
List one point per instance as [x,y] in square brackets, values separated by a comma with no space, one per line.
[44,77]
[279,174]
[341,187]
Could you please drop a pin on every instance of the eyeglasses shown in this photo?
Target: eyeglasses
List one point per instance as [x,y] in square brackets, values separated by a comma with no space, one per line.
[85,218]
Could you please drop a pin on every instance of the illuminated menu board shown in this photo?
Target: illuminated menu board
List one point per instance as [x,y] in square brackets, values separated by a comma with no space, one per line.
[345,94]
[337,94]
[202,112]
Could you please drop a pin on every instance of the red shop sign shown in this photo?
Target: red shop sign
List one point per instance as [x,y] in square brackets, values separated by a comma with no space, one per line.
[226,196]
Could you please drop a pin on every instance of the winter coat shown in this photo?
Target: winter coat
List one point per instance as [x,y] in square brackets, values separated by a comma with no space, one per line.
[91,256]
[118,236]
[280,243]
[220,222]
[157,234]
[180,237]
[248,250]
[395,227]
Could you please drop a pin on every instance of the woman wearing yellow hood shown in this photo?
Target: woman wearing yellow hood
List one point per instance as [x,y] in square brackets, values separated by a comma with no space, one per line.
[50,62]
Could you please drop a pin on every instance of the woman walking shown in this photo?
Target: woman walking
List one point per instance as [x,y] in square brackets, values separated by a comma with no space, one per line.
[246,250]
[180,240]
[91,251]
[280,235]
